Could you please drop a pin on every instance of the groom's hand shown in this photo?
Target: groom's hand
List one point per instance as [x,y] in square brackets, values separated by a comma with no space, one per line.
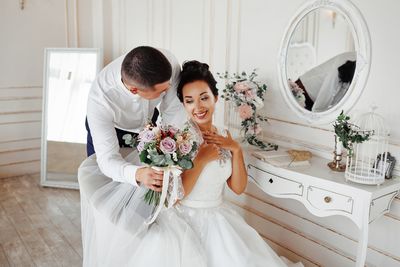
[150,178]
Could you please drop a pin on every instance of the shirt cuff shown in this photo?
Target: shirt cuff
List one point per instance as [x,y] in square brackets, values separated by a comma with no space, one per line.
[129,173]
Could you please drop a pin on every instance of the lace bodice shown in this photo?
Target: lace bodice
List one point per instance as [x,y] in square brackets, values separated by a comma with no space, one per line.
[207,191]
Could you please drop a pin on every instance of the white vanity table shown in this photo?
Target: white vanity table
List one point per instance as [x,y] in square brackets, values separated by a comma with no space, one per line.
[324,193]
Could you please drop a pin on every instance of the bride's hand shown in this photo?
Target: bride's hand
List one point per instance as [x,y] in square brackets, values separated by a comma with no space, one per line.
[221,141]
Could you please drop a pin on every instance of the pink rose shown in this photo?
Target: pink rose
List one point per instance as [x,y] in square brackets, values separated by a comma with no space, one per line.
[245,111]
[185,148]
[240,87]
[140,146]
[147,136]
[172,131]
[255,130]
[168,145]
[250,94]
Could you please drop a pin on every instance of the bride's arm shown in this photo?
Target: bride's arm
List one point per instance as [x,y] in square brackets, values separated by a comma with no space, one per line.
[238,180]
[206,154]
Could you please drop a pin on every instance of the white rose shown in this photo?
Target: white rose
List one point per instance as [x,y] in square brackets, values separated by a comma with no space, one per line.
[258,102]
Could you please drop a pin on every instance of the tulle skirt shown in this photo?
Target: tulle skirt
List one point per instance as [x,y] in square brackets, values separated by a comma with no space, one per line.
[228,240]
[114,232]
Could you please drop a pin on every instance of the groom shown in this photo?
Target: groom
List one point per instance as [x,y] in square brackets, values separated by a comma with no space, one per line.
[123,97]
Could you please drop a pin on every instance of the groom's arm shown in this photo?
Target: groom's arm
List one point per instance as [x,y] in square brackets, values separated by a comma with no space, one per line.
[109,160]
[105,141]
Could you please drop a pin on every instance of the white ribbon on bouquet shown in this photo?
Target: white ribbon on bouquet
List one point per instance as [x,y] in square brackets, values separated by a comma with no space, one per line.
[170,172]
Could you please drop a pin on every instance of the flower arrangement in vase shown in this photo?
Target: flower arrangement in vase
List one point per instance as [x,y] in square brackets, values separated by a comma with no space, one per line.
[248,97]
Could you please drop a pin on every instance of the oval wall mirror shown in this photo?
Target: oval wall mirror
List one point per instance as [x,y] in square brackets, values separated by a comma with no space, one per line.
[324,59]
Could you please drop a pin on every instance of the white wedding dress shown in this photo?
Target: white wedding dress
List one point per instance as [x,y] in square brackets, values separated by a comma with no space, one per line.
[226,238]
[201,230]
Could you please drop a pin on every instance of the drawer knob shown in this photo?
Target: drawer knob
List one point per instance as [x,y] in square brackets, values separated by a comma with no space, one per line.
[270,180]
[327,199]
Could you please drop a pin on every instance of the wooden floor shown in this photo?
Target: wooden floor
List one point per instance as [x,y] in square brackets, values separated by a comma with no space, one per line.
[38,226]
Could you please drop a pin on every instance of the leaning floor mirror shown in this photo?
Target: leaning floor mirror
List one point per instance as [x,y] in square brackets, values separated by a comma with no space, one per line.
[68,76]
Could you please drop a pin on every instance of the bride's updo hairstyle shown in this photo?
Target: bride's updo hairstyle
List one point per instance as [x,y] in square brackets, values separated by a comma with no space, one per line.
[196,71]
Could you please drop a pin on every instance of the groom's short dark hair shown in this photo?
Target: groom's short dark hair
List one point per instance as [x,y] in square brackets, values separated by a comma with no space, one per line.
[145,66]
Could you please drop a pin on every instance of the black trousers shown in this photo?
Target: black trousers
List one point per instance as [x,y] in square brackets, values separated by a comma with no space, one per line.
[120,133]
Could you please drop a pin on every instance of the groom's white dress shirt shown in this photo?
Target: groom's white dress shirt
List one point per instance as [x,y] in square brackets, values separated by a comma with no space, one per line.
[111,105]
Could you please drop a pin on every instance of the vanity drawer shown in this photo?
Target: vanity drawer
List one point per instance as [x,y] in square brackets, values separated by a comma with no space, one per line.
[328,200]
[273,184]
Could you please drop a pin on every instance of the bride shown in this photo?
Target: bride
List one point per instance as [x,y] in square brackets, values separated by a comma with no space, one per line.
[201,230]
[226,238]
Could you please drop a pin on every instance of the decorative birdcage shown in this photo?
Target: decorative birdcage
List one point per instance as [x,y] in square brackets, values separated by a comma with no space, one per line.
[367,161]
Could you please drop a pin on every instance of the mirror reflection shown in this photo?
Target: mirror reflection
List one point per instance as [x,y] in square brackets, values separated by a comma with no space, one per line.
[69,74]
[321,60]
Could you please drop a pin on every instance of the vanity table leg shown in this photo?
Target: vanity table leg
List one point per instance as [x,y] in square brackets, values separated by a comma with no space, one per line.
[363,241]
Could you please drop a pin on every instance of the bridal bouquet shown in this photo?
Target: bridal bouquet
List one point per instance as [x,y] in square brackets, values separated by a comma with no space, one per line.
[248,96]
[169,149]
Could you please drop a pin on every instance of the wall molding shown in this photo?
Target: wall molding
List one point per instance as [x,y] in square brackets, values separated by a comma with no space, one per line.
[150,22]
[118,27]
[22,87]
[166,39]
[233,35]
[392,141]
[20,112]
[19,150]
[10,171]
[18,122]
[10,98]
[71,23]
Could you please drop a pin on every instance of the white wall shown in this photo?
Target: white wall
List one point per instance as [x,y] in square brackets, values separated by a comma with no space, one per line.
[230,35]
[24,35]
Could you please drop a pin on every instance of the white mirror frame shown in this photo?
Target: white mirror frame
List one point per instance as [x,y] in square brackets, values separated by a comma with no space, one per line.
[43,167]
[362,41]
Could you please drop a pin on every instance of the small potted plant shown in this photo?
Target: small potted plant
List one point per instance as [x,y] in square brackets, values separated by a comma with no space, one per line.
[346,134]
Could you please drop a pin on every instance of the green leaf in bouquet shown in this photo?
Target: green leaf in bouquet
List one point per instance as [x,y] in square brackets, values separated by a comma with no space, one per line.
[168,160]
[195,146]
[130,140]
[185,164]
[157,160]
[143,157]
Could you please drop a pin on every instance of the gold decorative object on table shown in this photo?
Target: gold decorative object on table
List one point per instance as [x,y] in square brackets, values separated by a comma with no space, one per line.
[299,155]
[336,164]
